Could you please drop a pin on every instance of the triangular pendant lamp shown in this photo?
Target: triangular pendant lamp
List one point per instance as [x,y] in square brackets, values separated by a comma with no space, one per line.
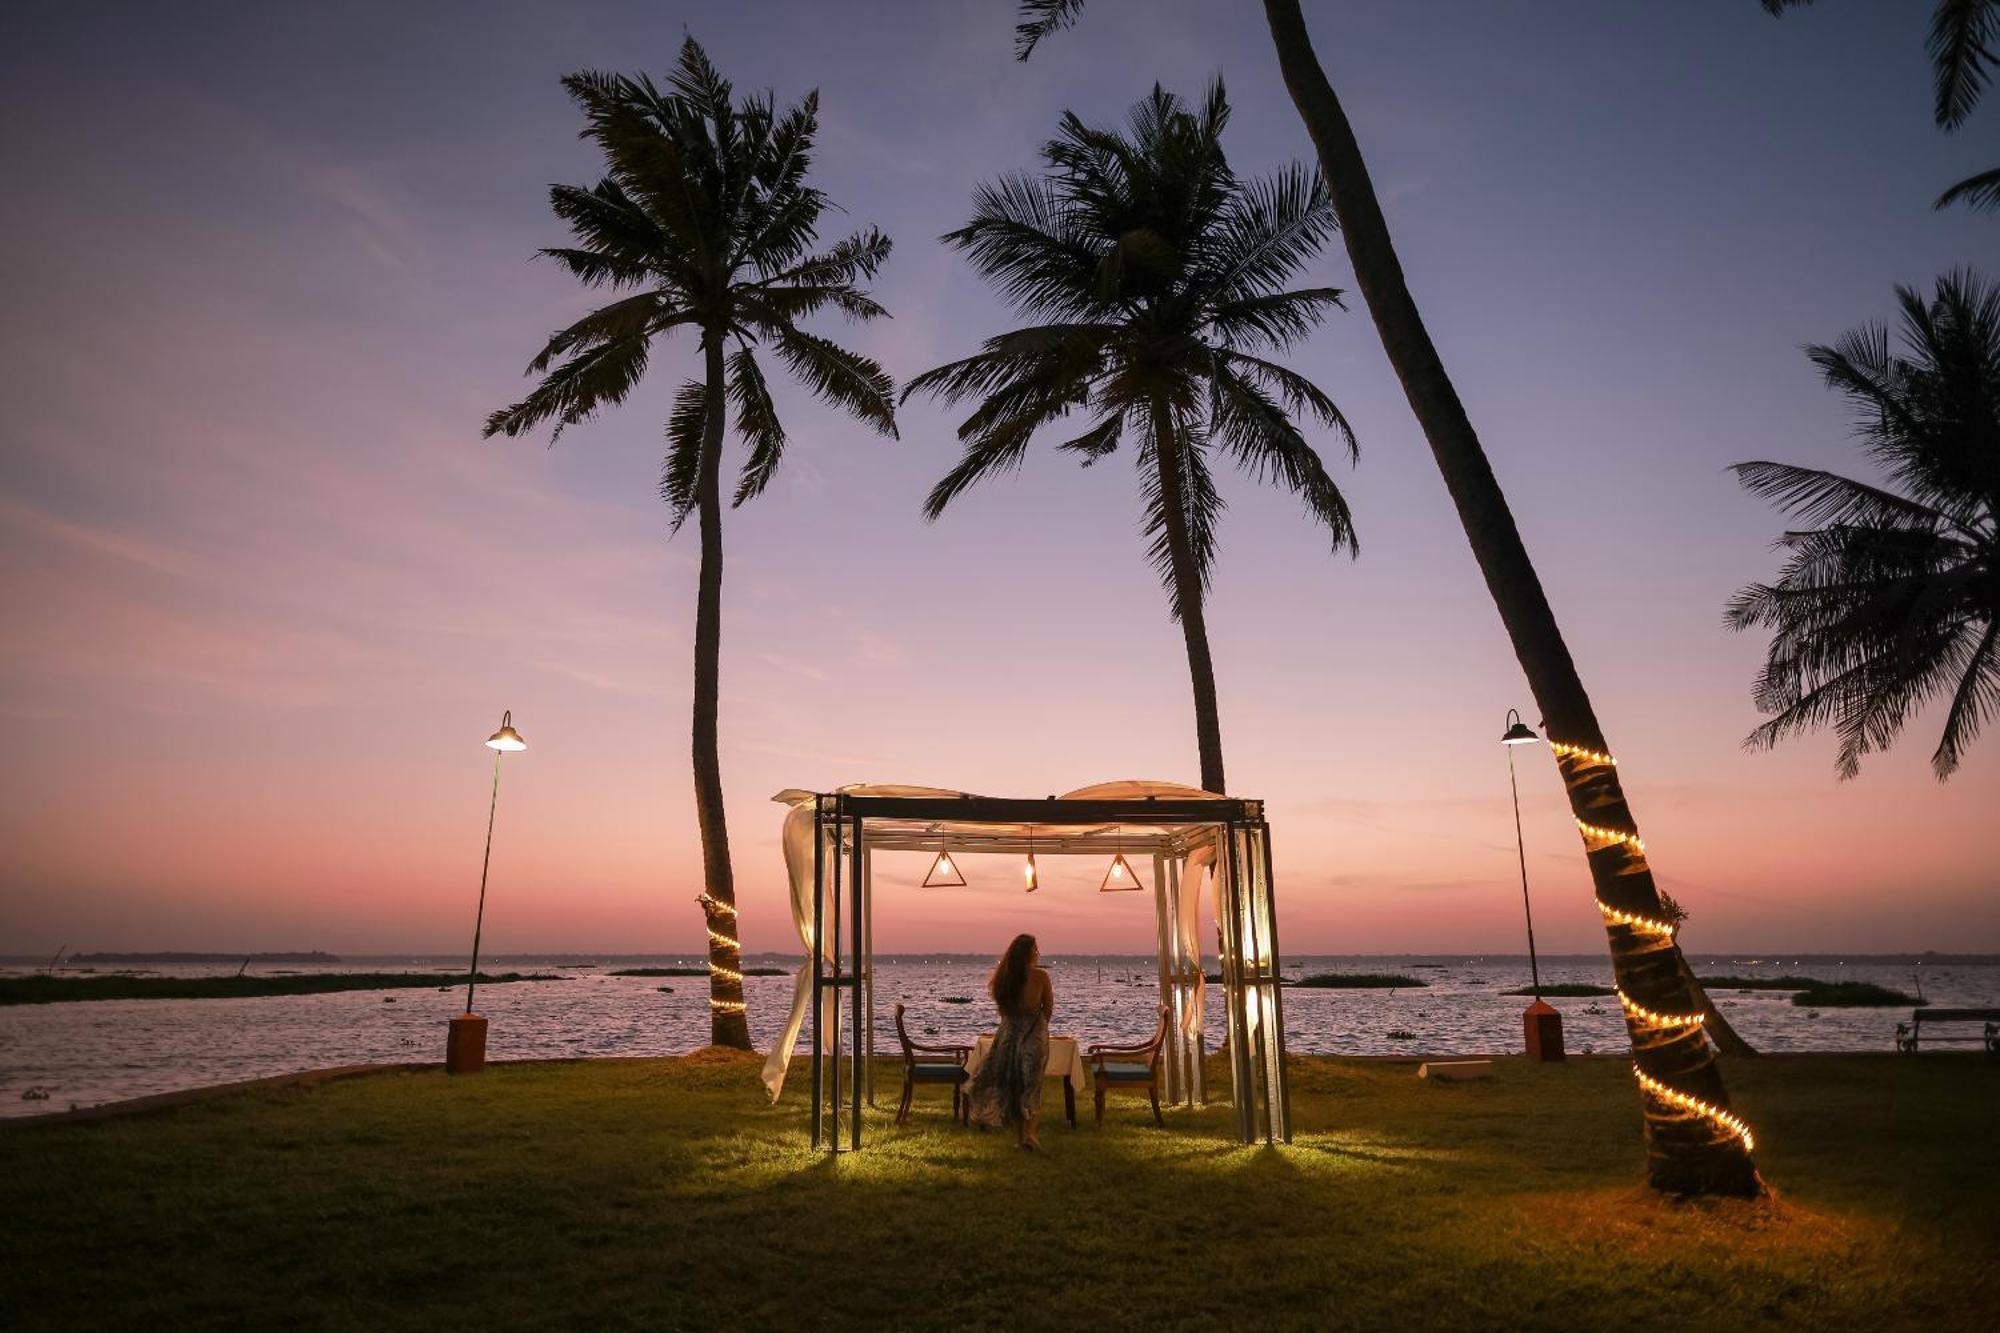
[1119,878]
[1028,871]
[944,873]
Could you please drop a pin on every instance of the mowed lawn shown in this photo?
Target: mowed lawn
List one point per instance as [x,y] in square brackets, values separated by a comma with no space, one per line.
[667,1194]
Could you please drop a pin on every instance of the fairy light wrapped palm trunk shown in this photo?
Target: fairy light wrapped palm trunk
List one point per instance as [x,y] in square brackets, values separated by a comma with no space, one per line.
[1695,1143]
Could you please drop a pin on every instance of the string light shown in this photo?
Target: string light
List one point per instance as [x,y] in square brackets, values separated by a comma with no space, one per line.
[726,973]
[1564,750]
[1639,1013]
[1635,1013]
[726,1006]
[1615,917]
[1715,1115]
[1602,834]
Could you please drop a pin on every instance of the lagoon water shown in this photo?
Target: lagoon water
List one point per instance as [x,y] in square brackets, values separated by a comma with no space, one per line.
[85,1053]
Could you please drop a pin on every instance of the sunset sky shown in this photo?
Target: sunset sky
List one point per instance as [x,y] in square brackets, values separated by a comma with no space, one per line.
[267,268]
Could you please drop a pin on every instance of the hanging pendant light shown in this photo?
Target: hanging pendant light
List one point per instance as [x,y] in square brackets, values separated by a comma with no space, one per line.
[1119,878]
[1028,870]
[944,872]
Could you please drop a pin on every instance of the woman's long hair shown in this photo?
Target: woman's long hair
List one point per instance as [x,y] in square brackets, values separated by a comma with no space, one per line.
[1010,975]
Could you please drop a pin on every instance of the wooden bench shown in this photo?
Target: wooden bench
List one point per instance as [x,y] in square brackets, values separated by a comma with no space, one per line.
[1910,1034]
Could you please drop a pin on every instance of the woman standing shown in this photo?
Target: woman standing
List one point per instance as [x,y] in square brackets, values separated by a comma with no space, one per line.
[1008,1088]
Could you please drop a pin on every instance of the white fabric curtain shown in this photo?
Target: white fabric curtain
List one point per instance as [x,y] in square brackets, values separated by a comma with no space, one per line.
[1200,863]
[798,843]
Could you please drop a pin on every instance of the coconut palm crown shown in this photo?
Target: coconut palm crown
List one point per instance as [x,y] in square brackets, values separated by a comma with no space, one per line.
[706,224]
[1157,282]
[1887,599]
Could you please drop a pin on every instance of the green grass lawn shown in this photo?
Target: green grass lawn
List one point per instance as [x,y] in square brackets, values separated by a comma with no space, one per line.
[666,1194]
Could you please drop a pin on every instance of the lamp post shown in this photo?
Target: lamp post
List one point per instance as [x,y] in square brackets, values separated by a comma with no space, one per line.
[465,1042]
[1541,1024]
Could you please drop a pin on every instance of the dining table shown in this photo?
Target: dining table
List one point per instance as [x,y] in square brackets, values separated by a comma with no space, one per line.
[1065,1063]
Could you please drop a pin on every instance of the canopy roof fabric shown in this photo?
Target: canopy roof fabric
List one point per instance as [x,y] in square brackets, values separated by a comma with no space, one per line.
[1054,835]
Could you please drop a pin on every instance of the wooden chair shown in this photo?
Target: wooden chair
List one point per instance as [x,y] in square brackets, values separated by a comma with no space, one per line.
[922,1065]
[1132,1068]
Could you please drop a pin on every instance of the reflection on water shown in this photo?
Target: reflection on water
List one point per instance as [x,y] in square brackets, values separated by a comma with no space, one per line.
[84,1053]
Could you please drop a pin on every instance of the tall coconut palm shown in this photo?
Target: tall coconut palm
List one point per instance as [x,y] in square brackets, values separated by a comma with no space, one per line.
[1964,47]
[704,216]
[1157,280]
[1694,1143]
[1888,597]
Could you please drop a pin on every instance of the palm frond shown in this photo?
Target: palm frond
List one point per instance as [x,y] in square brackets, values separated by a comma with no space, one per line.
[1265,443]
[1275,320]
[632,317]
[757,422]
[1100,441]
[1981,192]
[986,456]
[1300,395]
[1828,498]
[1039,18]
[845,379]
[1269,231]
[1961,44]
[1976,699]
[575,390]
[687,433]
[1202,505]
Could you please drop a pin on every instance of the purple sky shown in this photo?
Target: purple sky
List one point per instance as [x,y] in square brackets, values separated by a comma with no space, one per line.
[267,268]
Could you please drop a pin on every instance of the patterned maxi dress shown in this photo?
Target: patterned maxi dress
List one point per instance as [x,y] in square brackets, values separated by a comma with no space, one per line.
[1008,1087]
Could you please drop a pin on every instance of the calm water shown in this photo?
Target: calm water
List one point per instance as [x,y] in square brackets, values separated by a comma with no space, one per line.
[85,1053]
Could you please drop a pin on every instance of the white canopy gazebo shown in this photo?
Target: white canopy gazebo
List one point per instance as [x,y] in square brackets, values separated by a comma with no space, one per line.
[1188,835]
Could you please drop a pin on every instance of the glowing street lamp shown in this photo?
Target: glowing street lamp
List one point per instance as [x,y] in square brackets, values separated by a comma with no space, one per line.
[465,1042]
[1542,1022]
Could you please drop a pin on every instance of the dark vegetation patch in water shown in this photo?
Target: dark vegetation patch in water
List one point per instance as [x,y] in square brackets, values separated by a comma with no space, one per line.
[52,990]
[691,972]
[1854,995]
[1564,988]
[1357,981]
[184,959]
[1813,993]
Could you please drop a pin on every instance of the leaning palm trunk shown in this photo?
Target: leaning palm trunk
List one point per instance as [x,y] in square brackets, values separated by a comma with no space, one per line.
[727,1025]
[1694,1144]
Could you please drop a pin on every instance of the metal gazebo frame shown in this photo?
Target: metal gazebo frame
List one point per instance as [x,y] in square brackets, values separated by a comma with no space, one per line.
[849,827]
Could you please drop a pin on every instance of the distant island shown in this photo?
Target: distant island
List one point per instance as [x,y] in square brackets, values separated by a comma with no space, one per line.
[315,956]
[46,989]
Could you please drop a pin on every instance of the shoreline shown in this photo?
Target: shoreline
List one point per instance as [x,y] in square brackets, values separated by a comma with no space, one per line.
[307,1079]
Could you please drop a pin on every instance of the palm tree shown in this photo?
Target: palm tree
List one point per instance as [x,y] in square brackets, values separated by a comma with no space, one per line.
[1964,46]
[1695,1144]
[1157,282]
[705,218]
[1888,597]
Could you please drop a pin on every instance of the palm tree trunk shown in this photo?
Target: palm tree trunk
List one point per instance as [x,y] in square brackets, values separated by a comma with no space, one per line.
[1694,1145]
[1188,598]
[727,1025]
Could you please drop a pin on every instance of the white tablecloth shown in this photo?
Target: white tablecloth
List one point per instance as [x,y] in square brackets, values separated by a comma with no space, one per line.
[1065,1058]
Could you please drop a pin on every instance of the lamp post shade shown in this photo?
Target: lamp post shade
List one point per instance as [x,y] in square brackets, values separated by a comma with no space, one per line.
[506,738]
[1518,732]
